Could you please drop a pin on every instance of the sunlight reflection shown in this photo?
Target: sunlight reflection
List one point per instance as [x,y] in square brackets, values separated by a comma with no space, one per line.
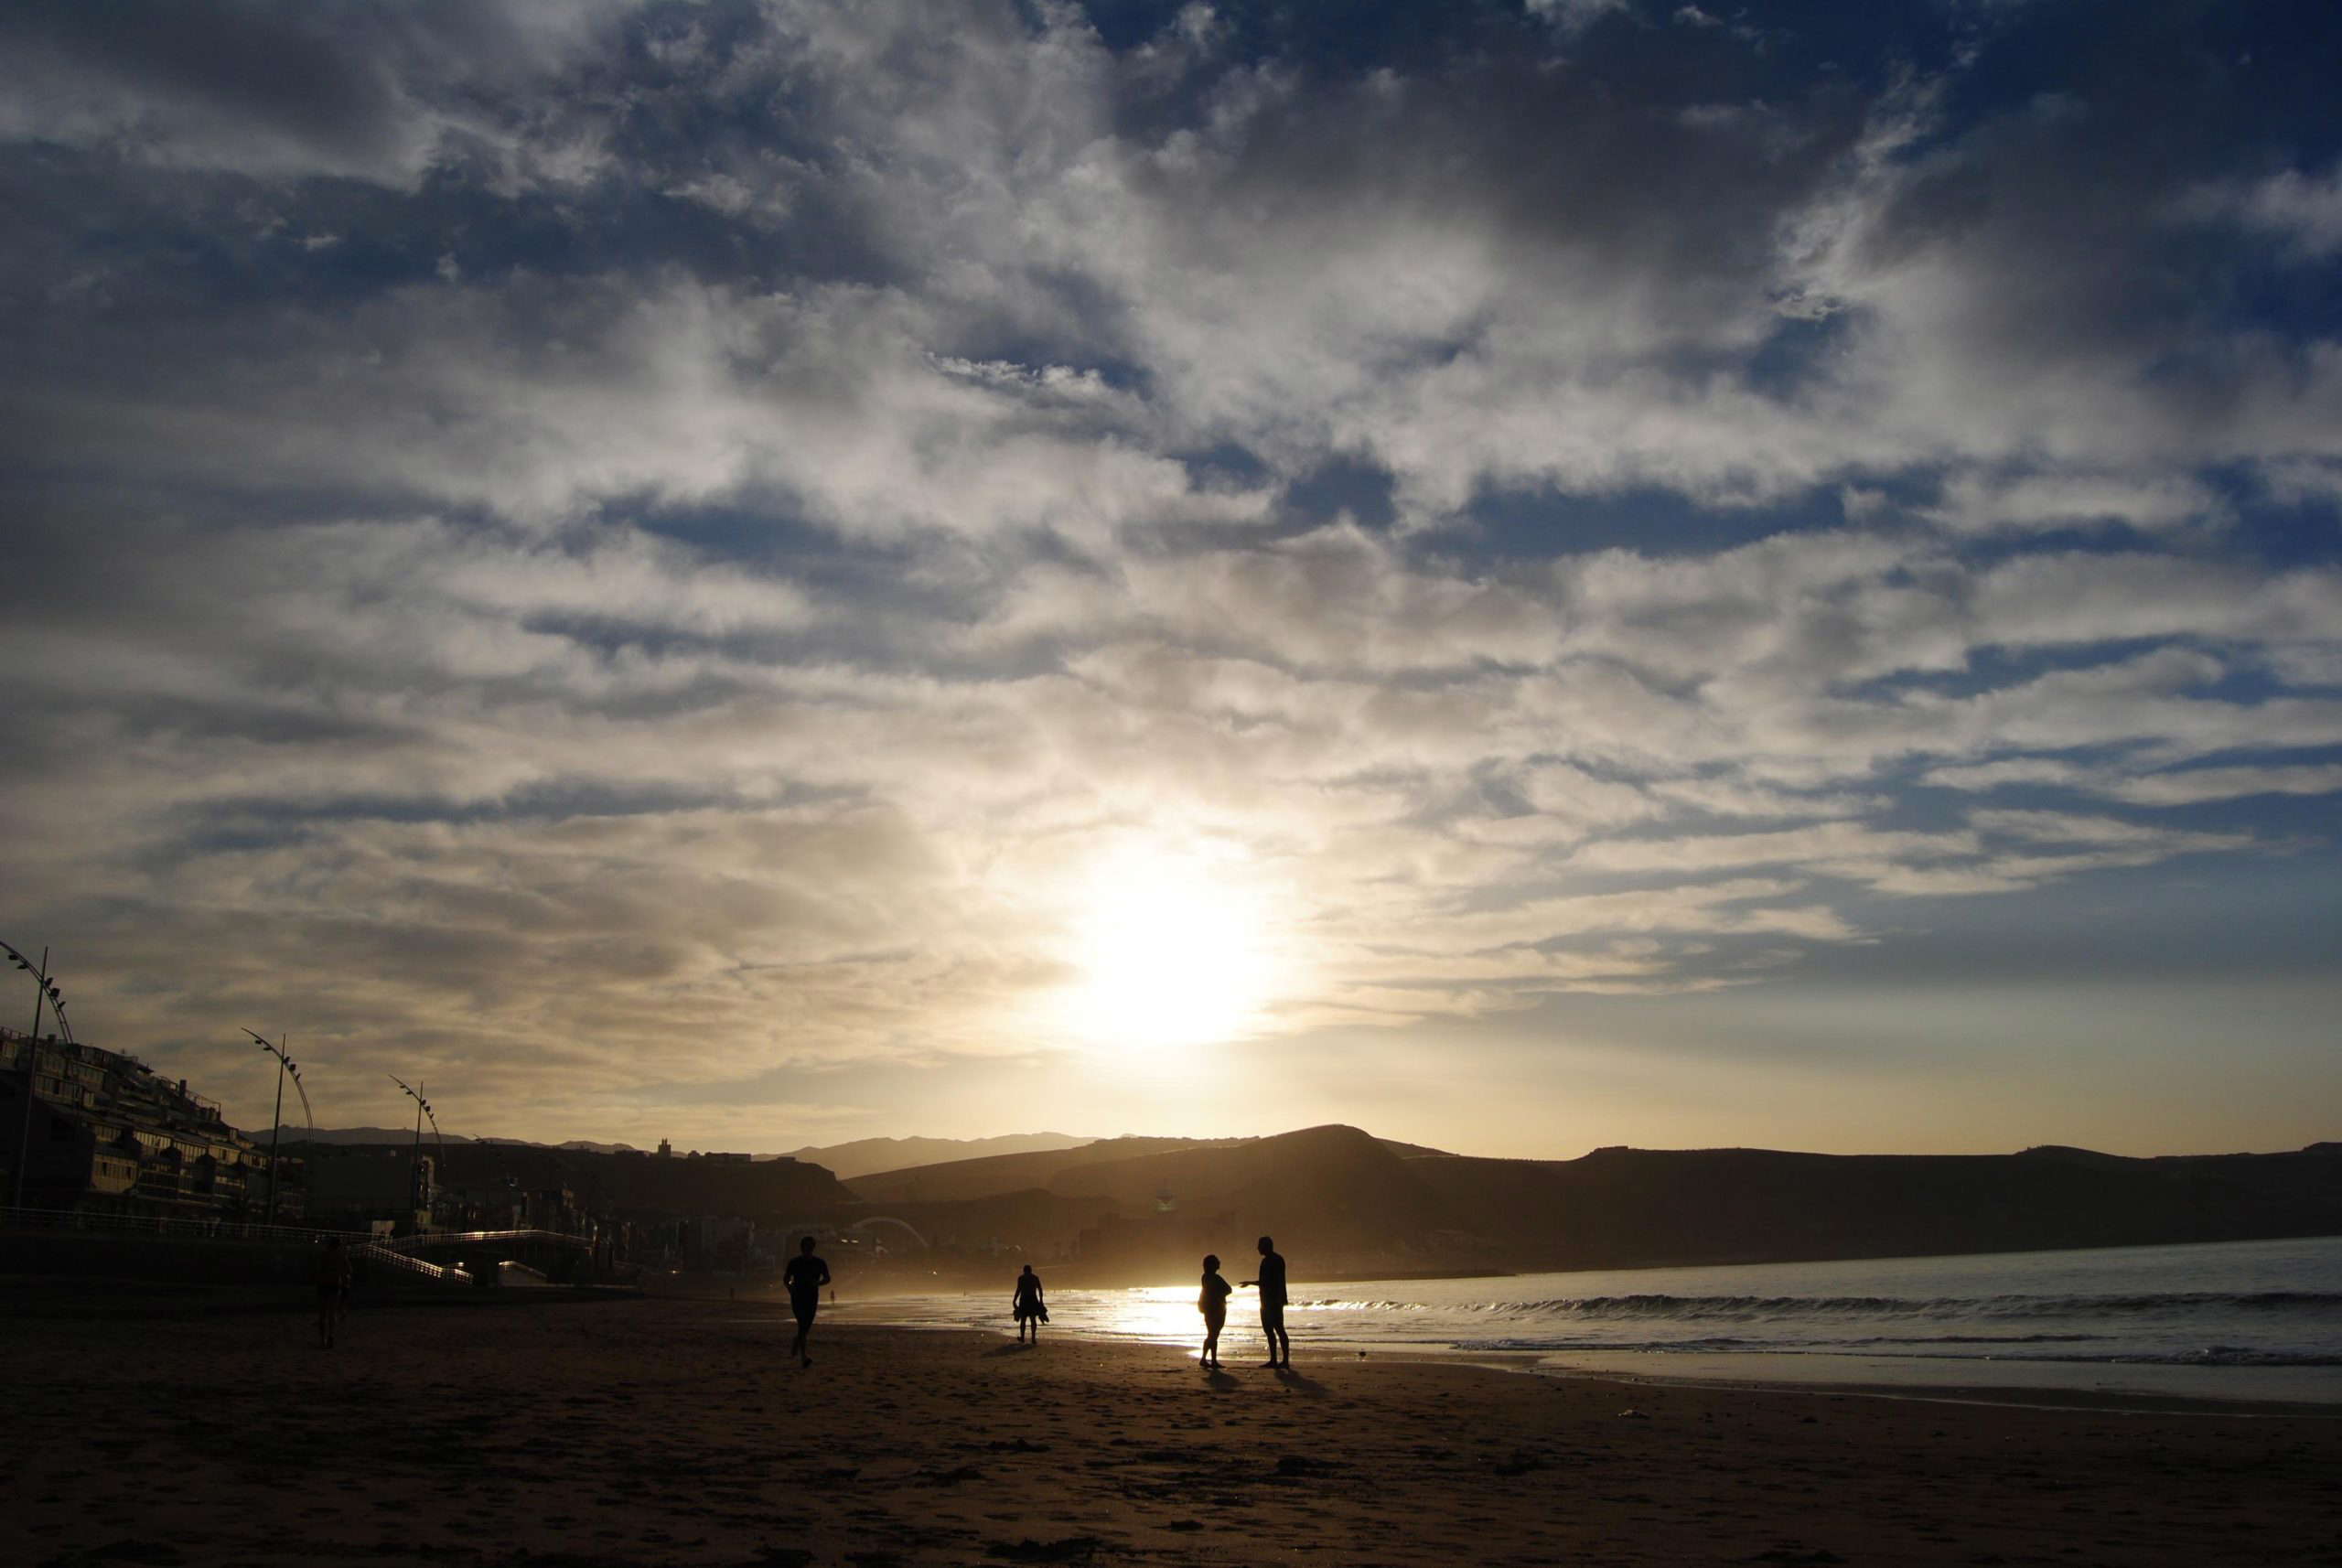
[1161,1314]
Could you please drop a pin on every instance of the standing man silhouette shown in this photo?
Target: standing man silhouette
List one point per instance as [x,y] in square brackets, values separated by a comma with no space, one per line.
[805,1274]
[1027,1306]
[1271,1284]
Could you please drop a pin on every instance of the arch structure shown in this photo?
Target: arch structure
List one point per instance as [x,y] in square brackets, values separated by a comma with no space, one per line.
[902,1224]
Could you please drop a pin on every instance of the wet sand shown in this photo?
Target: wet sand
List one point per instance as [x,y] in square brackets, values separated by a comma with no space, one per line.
[576,1434]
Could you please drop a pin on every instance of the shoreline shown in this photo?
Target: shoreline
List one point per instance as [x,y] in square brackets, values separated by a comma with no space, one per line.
[2038,1394]
[625,1434]
[2047,1397]
[147,1300]
[2045,1381]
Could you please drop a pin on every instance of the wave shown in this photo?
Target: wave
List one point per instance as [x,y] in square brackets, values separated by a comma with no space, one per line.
[1952,1347]
[1760,1308]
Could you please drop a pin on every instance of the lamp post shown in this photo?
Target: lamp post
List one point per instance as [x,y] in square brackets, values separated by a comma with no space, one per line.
[422,1109]
[44,994]
[285,1064]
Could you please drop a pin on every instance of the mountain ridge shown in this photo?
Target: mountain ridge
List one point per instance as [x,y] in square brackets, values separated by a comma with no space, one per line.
[841,1159]
[1348,1202]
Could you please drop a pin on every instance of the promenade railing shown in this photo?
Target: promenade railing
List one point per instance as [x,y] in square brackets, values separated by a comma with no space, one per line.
[422,1239]
[396,1252]
[375,1252]
[176,1227]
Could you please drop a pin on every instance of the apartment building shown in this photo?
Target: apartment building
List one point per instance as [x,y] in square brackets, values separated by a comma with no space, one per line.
[106,1132]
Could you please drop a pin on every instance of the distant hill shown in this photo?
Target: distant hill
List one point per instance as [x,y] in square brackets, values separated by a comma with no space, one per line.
[634,1186]
[842,1159]
[1637,1207]
[1642,1206]
[962,1180]
[1341,1201]
[387,1135]
[360,1135]
[1129,1206]
[991,1175]
[867,1154]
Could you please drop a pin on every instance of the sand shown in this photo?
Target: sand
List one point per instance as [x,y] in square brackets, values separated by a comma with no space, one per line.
[637,1432]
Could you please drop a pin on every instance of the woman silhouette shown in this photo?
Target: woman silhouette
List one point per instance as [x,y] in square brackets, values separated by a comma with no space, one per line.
[1213,1304]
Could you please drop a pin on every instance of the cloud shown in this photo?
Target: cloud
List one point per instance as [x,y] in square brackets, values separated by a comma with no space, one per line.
[280,91]
[1974,504]
[2304,210]
[572,532]
[2177,787]
[2194,785]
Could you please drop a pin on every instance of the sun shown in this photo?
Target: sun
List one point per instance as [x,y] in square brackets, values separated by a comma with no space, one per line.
[1171,947]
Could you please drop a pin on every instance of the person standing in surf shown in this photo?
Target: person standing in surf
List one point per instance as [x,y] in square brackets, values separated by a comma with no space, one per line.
[1027,1306]
[1213,1304]
[1271,1285]
[805,1274]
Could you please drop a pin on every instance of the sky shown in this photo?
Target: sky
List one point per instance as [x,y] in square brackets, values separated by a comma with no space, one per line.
[1525,576]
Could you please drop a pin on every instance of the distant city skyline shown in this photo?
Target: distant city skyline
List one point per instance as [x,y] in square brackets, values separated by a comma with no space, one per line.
[1520,577]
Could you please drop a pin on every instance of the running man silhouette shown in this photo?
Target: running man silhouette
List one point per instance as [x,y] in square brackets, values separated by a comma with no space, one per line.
[804,1275]
[1030,1310]
[1272,1284]
[1213,1304]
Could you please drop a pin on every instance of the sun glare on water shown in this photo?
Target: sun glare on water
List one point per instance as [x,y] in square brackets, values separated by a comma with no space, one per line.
[1172,948]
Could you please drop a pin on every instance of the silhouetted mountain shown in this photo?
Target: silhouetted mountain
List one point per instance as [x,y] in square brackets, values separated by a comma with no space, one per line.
[963,1180]
[992,1174]
[401,1136]
[1633,1207]
[1122,1203]
[770,1192]
[1339,1200]
[1337,1193]
[864,1155]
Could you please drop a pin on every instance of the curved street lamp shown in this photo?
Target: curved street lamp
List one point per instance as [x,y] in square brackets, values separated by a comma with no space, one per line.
[422,1109]
[45,996]
[48,992]
[285,1065]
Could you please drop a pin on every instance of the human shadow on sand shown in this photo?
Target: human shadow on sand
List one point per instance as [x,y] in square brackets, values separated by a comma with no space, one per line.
[1296,1383]
[1216,1378]
[1020,1348]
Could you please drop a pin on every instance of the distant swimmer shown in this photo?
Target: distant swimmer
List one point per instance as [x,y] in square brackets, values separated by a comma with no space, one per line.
[804,1274]
[1213,1304]
[1271,1284]
[1030,1310]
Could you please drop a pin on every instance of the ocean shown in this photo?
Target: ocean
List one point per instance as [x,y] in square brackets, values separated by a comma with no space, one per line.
[2246,1321]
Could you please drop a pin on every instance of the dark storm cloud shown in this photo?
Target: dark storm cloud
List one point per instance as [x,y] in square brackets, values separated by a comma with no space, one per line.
[314,74]
[281,87]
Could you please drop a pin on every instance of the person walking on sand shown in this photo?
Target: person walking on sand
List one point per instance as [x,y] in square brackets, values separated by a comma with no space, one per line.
[332,1273]
[804,1274]
[1213,1304]
[1272,1287]
[1029,1309]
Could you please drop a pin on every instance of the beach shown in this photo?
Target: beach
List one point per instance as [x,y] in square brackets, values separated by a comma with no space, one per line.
[185,1428]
